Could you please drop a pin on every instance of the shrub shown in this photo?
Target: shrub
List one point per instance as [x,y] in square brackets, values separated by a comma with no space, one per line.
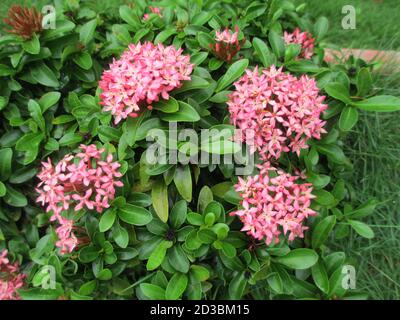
[179,229]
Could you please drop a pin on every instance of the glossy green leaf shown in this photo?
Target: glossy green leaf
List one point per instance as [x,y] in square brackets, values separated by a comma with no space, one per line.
[233,73]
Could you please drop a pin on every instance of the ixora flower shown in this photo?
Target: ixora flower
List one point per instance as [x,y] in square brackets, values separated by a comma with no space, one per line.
[276,111]
[78,181]
[155,10]
[304,39]
[273,202]
[10,278]
[24,21]
[143,74]
[227,44]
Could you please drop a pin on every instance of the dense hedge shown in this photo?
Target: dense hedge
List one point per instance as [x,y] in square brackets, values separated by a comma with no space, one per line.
[171,230]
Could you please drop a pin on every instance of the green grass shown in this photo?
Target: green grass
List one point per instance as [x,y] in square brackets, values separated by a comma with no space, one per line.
[373,147]
[377,22]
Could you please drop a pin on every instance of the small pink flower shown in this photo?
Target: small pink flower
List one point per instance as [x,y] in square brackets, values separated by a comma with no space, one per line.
[143,74]
[276,111]
[78,182]
[11,279]
[274,204]
[227,44]
[304,39]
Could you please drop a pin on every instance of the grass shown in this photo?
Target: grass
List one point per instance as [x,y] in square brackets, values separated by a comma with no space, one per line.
[372,146]
[377,22]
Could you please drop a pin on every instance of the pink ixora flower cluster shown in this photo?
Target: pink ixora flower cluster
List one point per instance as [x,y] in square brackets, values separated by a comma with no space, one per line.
[155,10]
[78,181]
[273,202]
[227,44]
[304,39]
[10,278]
[142,74]
[276,111]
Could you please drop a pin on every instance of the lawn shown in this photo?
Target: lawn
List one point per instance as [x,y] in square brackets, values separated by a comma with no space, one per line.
[373,145]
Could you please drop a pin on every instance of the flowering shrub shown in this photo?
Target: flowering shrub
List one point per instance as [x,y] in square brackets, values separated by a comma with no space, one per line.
[143,74]
[85,212]
[283,111]
[271,203]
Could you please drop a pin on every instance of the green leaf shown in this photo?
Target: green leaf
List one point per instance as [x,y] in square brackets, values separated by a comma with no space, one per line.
[348,118]
[299,258]
[36,113]
[364,210]
[186,113]
[333,152]
[201,273]
[324,197]
[263,52]
[178,214]
[382,103]
[195,83]
[335,283]
[167,106]
[5,163]
[159,196]
[121,32]
[322,230]
[277,43]
[14,198]
[177,258]
[320,276]
[198,58]
[44,75]
[48,100]
[338,91]
[87,31]
[158,255]
[70,138]
[152,291]
[233,73]
[129,17]
[107,220]
[364,82]
[321,28]
[104,275]
[88,254]
[205,197]
[237,286]
[135,215]
[176,286]
[3,190]
[165,34]
[183,182]
[120,235]
[32,46]
[204,40]
[84,60]
[362,229]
